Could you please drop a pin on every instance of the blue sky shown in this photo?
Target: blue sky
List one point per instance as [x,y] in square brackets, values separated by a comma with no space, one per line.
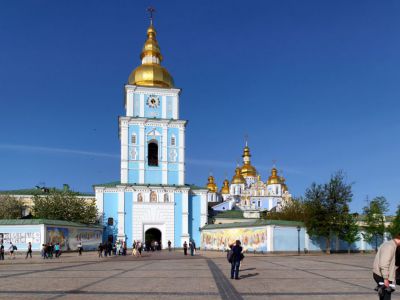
[314,84]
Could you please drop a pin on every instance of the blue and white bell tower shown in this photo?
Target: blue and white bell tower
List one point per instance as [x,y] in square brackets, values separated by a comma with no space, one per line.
[152,201]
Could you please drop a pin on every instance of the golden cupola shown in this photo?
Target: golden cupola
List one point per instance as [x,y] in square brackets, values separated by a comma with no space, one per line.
[237,178]
[212,187]
[150,72]
[247,170]
[225,187]
[274,178]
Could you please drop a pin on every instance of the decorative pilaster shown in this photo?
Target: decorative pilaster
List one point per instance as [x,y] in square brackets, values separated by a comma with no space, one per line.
[124,151]
[142,149]
[121,213]
[185,217]
[181,165]
[203,209]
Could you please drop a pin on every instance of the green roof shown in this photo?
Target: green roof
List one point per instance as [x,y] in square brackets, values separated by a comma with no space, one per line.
[46,222]
[255,223]
[230,214]
[116,183]
[34,191]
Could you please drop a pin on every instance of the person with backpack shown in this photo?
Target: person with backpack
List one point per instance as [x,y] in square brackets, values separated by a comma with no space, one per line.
[235,256]
[12,248]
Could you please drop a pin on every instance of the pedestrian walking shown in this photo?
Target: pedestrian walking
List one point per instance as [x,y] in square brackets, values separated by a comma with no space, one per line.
[100,250]
[29,252]
[139,247]
[185,247]
[384,267]
[1,251]
[191,246]
[235,256]
[80,248]
[11,249]
[169,245]
[57,250]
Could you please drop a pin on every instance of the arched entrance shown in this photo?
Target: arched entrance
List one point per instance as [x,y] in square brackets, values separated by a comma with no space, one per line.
[152,239]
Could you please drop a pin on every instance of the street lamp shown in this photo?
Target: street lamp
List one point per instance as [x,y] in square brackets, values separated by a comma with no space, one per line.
[298,239]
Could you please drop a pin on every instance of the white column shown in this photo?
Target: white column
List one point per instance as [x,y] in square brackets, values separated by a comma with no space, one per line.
[181,164]
[270,238]
[124,151]
[129,103]
[141,105]
[121,213]
[185,217]
[142,142]
[164,107]
[100,202]
[175,108]
[164,163]
[203,209]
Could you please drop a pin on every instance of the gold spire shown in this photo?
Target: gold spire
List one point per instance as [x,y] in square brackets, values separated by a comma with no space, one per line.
[212,187]
[151,73]
[247,169]
[237,178]
[225,187]
[274,178]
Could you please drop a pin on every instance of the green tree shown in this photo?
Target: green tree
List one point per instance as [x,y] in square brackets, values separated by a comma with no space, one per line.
[293,210]
[325,204]
[349,231]
[394,227]
[10,207]
[65,205]
[374,213]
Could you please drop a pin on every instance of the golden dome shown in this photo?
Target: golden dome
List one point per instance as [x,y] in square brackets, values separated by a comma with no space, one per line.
[274,178]
[225,187]
[247,170]
[237,178]
[212,187]
[151,73]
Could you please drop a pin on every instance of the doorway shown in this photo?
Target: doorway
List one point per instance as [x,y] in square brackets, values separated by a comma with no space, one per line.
[152,239]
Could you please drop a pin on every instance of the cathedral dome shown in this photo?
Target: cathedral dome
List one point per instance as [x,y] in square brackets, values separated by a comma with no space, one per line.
[274,178]
[151,73]
[212,187]
[237,178]
[225,187]
[247,170]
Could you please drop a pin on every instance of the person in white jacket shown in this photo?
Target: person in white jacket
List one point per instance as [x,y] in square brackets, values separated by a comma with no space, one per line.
[384,268]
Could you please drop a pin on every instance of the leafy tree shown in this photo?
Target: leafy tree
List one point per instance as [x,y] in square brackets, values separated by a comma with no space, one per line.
[349,231]
[325,205]
[65,205]
[374,213]
[394,227]
[293,210]
[10,207]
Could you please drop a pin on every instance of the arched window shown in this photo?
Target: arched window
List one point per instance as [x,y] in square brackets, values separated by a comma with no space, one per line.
[153,197]
[139,197]
[133,139]
[152,153]
[166,198]
[173,141]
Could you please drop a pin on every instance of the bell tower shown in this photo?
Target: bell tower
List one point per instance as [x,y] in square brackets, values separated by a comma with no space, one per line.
[151,133]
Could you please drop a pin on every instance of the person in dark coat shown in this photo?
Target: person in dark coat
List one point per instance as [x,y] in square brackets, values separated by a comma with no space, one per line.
[237,256]
[398,266]
[185,247]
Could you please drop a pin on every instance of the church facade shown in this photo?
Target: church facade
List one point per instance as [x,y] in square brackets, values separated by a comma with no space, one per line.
[151,202]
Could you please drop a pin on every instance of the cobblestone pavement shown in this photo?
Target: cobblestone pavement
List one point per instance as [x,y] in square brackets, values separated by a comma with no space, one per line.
[170,275]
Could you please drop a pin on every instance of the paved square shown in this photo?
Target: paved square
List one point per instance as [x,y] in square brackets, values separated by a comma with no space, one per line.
[170,275]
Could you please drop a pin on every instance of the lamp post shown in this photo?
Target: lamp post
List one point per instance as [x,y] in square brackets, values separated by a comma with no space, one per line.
[298,239]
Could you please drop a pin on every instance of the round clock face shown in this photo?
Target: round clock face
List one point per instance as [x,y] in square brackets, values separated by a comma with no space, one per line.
[153,101]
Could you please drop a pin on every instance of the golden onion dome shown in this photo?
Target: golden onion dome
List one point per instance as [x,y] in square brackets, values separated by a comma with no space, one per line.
[225,187]
[247,170]
[212,187]
[237,178]
[151,73]
[274,178]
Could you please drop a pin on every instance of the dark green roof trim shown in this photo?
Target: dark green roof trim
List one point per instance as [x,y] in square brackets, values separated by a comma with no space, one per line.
[118,183]
[256,223]
[46,222]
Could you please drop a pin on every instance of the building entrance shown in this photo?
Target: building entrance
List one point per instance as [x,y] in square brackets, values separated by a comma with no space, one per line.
[153,239]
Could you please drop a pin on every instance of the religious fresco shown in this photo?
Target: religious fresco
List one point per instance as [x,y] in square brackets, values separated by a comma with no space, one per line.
[252,239]
[58,235]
